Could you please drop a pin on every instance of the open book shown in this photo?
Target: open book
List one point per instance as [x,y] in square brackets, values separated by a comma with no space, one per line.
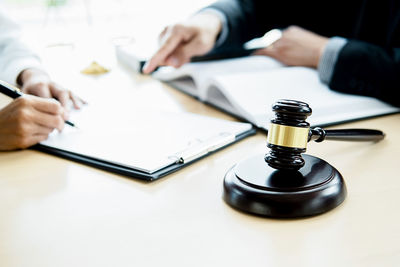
[247,87]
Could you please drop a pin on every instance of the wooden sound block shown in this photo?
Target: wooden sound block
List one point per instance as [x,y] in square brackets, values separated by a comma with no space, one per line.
[254,187]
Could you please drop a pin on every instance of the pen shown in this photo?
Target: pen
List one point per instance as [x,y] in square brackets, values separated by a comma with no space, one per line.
[226,54]
[13,92]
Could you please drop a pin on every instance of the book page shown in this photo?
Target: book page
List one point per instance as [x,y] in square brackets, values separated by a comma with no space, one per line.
[251,96]
[193,77]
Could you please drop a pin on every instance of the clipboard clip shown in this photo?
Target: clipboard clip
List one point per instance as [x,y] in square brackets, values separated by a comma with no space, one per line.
[203,147]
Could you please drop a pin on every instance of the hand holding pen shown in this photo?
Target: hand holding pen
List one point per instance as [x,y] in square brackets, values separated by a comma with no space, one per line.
[180,42]
[194,39]
[29,119]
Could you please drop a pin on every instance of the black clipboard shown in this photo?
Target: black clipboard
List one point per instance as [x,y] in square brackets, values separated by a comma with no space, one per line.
[127,171]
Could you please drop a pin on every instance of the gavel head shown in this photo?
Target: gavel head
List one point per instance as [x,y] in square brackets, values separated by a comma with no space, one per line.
[288,135]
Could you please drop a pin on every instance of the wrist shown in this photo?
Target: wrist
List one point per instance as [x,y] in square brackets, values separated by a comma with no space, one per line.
[28,75]
[208,22]
[320,50]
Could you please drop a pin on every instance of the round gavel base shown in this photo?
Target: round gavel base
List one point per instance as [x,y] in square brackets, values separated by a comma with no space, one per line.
[254,187]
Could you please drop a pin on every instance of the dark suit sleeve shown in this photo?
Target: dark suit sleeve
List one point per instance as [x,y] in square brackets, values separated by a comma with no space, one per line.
[369,70]
[241,20]
[250,19]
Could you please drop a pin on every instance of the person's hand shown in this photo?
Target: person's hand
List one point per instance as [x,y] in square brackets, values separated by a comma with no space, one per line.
[29,120]
[180,42]
[38,83]
[296,47]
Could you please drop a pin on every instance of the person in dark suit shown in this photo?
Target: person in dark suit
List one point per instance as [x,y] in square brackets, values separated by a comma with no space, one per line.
[354,45]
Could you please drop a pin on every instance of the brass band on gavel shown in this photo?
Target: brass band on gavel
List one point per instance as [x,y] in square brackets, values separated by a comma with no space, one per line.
[288,136]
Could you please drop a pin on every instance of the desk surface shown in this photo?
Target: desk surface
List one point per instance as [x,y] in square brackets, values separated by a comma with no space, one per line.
[58,213]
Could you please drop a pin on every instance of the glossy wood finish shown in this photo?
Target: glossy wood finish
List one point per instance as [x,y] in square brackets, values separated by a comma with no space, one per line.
[253,186]
[58,213]
[348,135]
[291,114]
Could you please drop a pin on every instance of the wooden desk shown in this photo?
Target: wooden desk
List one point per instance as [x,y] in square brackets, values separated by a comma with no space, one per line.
[57,213]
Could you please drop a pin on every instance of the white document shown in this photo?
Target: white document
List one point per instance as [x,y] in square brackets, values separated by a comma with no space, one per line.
[247,87]
[144,140]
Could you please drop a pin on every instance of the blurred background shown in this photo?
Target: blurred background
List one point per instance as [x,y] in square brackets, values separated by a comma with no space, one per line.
[72,35]
[66,18]
[93,27]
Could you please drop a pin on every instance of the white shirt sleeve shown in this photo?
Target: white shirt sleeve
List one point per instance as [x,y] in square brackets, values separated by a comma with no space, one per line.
[14,55]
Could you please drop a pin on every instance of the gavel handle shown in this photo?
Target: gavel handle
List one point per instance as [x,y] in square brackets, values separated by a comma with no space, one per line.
[319,134]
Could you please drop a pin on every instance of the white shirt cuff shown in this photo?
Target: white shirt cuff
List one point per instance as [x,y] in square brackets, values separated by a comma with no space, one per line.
[327,62]
[16,66]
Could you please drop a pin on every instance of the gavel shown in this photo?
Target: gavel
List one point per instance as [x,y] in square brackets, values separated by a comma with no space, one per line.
[289,134]
[285,183]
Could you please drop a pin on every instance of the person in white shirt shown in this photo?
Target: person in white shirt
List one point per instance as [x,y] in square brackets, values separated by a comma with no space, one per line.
[31,118]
